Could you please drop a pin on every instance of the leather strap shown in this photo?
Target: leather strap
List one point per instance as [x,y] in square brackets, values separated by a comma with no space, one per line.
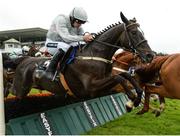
[65,85]
[94,58]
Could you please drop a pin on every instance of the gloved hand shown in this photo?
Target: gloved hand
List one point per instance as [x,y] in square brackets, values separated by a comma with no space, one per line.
[88,37]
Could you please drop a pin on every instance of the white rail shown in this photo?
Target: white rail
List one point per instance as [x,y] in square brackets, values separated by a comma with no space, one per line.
[2,117]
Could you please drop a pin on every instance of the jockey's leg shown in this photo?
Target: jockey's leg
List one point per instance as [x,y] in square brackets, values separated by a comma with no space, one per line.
[49,73]
[54,61]
[63,61]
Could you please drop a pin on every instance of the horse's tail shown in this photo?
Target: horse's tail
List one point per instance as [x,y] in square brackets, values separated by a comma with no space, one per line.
[13,63]
[153,67]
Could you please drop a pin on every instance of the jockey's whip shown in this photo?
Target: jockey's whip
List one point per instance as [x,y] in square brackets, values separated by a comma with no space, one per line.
[54,75]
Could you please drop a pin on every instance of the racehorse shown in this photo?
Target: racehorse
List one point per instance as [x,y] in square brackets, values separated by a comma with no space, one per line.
[168,69]
[36,52]
[126,62]
[9,66]
[33,51]
[89,75]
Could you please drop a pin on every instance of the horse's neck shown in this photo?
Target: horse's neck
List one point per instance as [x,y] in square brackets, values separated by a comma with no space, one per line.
[110,36]
[156,64]
[124,60]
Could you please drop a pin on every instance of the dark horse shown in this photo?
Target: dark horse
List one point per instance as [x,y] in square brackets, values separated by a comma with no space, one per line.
[9,66]
[89,75]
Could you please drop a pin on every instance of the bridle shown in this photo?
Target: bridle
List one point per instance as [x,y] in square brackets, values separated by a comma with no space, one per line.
[132,47]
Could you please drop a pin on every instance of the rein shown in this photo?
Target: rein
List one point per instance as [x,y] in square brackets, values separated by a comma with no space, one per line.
[126,33]
[112,45]
[122,62]
[107,44]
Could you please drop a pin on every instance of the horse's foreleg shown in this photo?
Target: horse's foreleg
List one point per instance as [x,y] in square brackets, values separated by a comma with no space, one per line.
[162,103]
[160,90]
[145,103]
[139,91]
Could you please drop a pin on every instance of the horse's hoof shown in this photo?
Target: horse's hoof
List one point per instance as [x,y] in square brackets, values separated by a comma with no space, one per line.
[142,111]
[157,113]
[139,113]
[129,105]
[137,102]
[128,109]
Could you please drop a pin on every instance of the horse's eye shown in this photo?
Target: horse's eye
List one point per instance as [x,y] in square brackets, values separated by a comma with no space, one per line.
[133,32]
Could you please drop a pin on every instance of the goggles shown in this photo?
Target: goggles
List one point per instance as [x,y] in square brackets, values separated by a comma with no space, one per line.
[80,21]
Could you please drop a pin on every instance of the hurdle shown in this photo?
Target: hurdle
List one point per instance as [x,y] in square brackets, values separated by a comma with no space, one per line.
[73,119]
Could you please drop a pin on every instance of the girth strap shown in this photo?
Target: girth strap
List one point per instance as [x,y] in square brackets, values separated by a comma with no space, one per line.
[65,85]
[94,58]
[120,69]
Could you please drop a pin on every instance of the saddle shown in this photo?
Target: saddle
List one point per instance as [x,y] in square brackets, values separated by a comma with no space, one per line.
[67,59]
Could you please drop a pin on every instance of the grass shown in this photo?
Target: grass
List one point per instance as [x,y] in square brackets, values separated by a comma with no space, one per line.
[168,123]
[32,92]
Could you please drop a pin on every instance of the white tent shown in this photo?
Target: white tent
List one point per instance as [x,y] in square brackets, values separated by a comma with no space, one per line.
[12,40]
[12,45]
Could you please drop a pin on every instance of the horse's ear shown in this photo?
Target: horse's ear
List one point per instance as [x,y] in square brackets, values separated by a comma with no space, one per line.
[123,18]
[134,19]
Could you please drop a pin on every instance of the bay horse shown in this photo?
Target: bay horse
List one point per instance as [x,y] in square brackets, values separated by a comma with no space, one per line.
[168,69]
[89,75]
[32,51]
[124,61]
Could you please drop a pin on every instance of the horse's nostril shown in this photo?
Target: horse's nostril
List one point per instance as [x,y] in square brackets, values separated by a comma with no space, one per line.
[150,57]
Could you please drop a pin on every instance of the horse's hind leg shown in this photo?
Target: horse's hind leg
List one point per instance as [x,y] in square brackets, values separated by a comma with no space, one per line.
[161,91]
[162,103]
[7,88]
[22,88]
[139,91]
[156,111]
[145,103]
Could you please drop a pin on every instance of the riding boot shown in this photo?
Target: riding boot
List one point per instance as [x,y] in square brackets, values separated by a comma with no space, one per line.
[50,71]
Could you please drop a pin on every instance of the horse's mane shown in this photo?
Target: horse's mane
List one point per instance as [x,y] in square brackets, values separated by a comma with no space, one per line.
[97,34]
[106,29]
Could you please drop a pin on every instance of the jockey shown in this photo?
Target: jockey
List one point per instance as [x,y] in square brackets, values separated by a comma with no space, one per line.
[65,31]
[25,50]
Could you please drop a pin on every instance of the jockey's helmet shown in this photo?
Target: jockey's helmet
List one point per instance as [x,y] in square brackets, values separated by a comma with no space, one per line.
[79,14]
[25,48]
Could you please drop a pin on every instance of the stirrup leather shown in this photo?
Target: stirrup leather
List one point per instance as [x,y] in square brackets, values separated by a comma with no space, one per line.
[65,85]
